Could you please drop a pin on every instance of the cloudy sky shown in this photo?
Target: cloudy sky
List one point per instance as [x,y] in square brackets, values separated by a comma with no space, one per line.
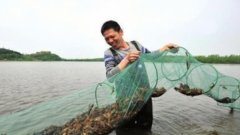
[71,28]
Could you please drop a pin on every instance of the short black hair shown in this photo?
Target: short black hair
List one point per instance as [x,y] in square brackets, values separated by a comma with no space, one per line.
[110,25]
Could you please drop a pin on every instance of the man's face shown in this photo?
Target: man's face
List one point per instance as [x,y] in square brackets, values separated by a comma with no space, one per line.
[113,38]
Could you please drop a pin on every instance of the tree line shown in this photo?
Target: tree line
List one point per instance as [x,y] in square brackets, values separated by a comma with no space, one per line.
[10,55]
[230,59]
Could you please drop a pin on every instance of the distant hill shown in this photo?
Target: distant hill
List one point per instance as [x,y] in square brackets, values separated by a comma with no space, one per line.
[6,54]
[45,56]
[10,55]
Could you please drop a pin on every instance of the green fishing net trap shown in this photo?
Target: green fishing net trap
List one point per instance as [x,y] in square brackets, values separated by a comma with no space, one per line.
[104,106]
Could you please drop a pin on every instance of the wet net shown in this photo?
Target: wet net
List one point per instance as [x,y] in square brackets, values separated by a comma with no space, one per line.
[101,108]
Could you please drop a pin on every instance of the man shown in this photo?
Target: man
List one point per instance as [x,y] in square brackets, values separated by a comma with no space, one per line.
[118,57]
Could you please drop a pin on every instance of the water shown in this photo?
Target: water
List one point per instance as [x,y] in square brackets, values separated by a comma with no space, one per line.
[23,84]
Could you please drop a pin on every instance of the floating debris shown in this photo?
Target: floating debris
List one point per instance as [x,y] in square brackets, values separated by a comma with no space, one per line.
[159,92]
[185,89]
[213,133]
[226,100]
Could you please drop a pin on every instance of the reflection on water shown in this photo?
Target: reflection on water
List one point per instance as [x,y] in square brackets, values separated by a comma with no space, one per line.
[23,84]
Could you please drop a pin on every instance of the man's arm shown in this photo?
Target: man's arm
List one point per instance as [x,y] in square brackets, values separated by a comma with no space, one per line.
[110,65]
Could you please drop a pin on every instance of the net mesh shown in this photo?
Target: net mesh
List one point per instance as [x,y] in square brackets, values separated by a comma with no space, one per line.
[104,106]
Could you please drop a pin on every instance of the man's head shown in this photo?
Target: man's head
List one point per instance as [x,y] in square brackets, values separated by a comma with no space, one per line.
[112,33]
[110,25]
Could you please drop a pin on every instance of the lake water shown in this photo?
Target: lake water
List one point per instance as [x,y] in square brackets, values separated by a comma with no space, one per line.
[23,84]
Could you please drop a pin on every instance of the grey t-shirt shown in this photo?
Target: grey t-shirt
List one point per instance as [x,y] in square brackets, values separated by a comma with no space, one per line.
[111,61]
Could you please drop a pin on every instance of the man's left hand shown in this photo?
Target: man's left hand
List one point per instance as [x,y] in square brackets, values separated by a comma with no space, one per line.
[168,47]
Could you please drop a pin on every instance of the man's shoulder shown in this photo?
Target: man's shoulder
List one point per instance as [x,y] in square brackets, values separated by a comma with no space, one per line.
[135,42]
[108,52]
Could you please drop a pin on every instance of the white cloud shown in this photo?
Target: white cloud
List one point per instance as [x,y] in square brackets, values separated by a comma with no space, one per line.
[71,28]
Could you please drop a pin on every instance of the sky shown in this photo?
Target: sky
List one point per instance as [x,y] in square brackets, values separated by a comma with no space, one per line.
[71,28]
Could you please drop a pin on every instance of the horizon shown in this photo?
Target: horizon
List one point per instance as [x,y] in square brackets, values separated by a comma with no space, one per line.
[102,57]
[71,29]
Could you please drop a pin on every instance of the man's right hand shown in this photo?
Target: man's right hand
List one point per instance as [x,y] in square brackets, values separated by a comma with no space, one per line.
[132,56]
[129,58]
